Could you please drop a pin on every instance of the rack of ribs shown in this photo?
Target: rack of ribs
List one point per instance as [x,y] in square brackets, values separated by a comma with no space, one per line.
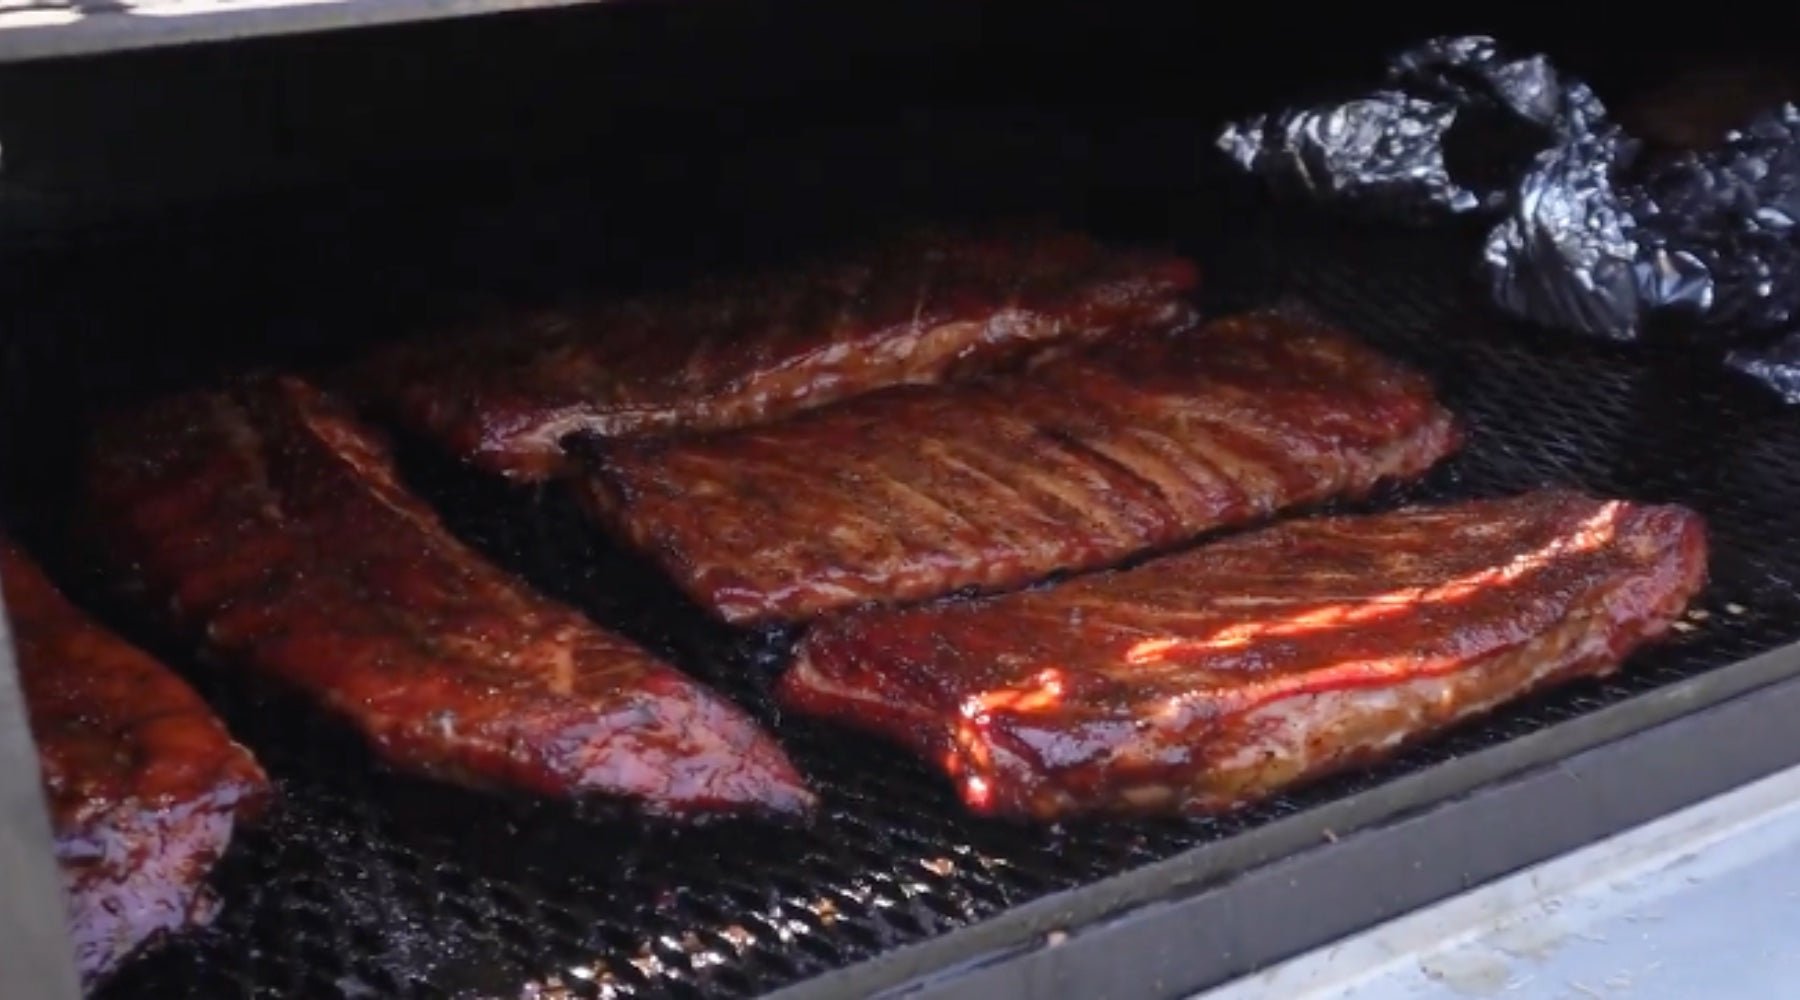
[144,784]
[921,306]
[1082,461]
[273,524]
[1203,680]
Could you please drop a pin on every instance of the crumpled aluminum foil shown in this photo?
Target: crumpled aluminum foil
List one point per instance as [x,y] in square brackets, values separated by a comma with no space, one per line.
[1776,366]
[1593,230]
[1448,133]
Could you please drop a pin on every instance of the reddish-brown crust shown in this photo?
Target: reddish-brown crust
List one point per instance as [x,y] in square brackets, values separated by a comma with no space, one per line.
[921,308]
[1083,461]
[144,784]
[273,522]
[1200,681]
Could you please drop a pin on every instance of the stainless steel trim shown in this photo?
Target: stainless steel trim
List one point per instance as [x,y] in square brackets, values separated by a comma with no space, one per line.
[1698,903]
[44,29]
[34,943]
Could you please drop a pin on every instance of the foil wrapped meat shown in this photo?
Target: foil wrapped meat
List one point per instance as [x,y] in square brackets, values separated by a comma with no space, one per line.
[1688,228]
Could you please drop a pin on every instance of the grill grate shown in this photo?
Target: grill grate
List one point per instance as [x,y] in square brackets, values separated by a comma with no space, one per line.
[369,884]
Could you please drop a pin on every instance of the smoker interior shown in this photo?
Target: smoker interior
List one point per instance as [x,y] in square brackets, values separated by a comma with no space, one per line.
[364,883]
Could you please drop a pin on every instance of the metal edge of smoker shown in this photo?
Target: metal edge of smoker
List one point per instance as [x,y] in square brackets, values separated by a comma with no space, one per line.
[34,943]
[1226,909]
[64,31]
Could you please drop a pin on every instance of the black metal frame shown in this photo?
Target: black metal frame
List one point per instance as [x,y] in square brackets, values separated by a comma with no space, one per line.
[1227,909]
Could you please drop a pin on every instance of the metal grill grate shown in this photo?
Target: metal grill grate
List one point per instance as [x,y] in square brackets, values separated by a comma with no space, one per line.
[367,884]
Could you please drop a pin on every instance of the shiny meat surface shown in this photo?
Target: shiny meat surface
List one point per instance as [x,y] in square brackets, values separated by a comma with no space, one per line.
[143,782]
[267,519]
[1200,681]
[1081,462]
[925,306]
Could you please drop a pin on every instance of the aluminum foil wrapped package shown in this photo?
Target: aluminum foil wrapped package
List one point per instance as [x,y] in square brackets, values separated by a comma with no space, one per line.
[1601,238]
[1776,366]
[1593,230]
[1448,133]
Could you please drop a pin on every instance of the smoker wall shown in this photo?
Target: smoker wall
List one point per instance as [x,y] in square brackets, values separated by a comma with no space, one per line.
[621,82]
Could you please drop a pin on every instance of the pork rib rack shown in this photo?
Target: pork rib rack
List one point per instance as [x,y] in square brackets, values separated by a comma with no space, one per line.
[1081,462]
[921,306]
[145,787]
[273,524]
[1200,681]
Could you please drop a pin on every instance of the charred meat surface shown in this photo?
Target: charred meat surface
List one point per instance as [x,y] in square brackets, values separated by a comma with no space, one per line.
[1208,679]
[144,784]
[1085,460]
[269,520]
[921,307]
